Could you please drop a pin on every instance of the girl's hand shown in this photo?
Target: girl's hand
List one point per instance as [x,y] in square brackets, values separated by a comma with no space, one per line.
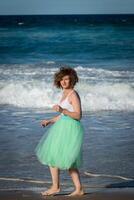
[45,123]
[57,108]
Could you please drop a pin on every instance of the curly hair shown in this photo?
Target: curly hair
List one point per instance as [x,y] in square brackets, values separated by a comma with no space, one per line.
[64,71]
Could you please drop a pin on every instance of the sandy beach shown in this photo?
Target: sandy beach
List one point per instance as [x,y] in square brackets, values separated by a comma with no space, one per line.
[106,194]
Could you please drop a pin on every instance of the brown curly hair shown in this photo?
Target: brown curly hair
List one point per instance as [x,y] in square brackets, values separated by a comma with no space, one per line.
[64,71]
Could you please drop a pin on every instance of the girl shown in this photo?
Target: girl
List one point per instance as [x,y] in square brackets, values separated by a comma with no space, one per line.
[62,148]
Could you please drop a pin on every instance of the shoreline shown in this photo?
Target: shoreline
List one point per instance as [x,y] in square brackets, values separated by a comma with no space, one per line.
[105,194]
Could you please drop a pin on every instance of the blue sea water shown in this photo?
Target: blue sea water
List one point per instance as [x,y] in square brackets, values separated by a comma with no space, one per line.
[101,49]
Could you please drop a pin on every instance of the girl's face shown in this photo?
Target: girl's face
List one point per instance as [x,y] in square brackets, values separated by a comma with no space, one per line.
[65,82]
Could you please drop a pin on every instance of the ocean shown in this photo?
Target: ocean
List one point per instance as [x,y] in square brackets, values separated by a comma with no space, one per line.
[101,49]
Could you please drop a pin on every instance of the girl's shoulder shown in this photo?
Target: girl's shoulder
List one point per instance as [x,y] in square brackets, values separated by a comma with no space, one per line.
[75,94]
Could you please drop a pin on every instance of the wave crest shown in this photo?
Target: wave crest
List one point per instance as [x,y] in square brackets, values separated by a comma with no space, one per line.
[104,96]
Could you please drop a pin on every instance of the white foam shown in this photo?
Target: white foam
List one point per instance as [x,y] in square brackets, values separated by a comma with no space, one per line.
[50,62]
[107,175]
[117,96]
[20,23]
[28,95]
[99,89]
[43,69]
[99,72]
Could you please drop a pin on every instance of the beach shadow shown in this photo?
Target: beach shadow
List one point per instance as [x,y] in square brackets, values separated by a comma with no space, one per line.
[64,196]
[121,184]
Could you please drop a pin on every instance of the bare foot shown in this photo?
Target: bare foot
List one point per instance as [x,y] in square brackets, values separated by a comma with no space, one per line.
[51,191]
[77,192]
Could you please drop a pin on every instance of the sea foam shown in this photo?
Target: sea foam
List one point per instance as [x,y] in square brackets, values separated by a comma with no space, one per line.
[116,96]
[99,89]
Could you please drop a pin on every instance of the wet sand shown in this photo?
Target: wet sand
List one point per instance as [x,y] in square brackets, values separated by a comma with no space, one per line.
[105,194]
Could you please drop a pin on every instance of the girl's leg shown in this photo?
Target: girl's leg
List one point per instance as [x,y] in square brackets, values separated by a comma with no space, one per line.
[55,177]
[77,182]
[55,188]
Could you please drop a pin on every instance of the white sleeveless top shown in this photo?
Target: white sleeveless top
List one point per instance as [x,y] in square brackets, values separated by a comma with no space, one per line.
[65,103]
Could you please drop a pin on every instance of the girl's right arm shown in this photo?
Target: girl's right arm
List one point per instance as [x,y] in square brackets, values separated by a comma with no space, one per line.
[54,119]
[50,121]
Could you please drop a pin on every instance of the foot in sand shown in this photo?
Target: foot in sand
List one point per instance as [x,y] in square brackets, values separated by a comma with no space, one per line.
[51,191]
[77,193]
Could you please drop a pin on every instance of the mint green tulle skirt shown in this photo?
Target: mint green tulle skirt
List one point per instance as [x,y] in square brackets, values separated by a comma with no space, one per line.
[61,145]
